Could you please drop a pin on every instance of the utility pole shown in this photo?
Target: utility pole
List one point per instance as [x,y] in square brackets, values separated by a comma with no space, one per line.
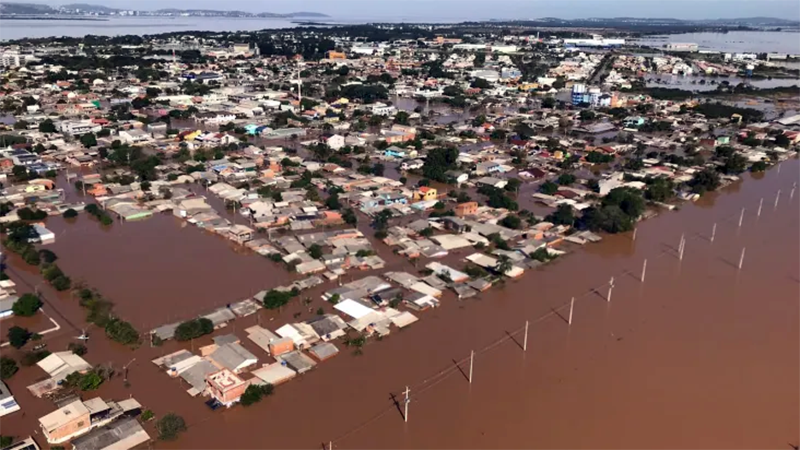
[125,368]
[571,307]
[406,402]
[644,270]
[610,288]
[634,234]
[683,246]
[525,339]
[471,361]
[741,217]
[713,231]
[741,258]
[777,197]
[760,205]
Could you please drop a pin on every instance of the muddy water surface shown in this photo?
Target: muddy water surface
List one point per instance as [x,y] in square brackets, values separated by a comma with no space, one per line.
[701,355]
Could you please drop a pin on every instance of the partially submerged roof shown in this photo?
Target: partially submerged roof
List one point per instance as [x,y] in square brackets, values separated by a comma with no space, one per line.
[120,435]
[323,351]
[60,364]
[298,361]
[63,415]
[274,374]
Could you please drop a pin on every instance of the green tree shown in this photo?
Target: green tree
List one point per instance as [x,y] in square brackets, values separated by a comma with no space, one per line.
[18,336]
[8,367]
[47,256]
[27,305]
[349,217]
[513,185]
[503,264]
[121,331]
[511,221]
[705,180]
[629,200]
[88,140]
[401,117]
[332,202]
[76,348]
[47,126]
[758,166]
[70,214]
[563,215]
[254,393]
[193,329]
[659,190]
[565,179]
[315,251]
[170,426]
[548,188]
[735,164]
[438,162]
[274,299]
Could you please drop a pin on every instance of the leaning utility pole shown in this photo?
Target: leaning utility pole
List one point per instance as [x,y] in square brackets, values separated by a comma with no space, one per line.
[610,288]
[571,307]
[406,401]
[525,339]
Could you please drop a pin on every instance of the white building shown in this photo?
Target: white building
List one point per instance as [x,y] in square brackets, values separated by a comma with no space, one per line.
[216,117]
[13,58]
[336,142]
[382,109]
[133,136]
[76,127]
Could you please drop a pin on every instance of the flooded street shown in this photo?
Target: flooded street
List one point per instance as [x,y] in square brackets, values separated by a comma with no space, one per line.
[701,355]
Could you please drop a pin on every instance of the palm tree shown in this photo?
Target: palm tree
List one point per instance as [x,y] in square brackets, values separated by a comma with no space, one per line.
[504,264]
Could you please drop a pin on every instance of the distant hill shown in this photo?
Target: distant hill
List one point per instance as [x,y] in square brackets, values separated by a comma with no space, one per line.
[100,9]
[25,8]
[13,8]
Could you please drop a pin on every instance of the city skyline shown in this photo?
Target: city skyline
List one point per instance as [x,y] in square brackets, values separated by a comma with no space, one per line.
[501,9]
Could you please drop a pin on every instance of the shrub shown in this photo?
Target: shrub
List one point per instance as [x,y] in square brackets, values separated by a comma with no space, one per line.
[193,329]
[70,214]
[120,331]
[170,426]
[254,393]
[147,415]
[76,348]
[31,358]
[61,283]
[8,367]
[275,299]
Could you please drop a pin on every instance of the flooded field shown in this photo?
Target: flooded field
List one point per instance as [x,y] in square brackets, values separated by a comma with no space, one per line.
[701,355]
[702,84]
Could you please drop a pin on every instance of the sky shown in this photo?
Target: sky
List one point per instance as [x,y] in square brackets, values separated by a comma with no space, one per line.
[431,10]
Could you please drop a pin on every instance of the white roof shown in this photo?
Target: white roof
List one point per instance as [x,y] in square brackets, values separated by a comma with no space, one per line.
[441,269]
[426,289]
[288,331]
[451,241]
[403,319]
[63,415]
[482,260]
[60,364]
[353,309]
[274,373]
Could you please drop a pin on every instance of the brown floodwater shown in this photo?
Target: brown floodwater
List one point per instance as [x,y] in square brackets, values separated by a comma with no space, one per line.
[701,355]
